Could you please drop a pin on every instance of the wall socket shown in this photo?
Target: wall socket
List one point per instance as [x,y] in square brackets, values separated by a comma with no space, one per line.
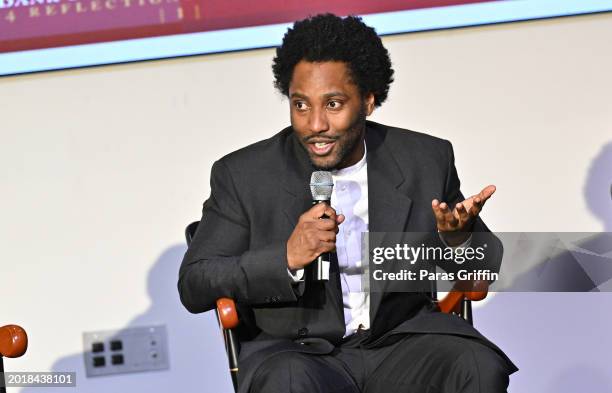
[127,350]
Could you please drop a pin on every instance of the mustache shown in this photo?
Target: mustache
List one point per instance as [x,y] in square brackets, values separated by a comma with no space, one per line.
[319,138]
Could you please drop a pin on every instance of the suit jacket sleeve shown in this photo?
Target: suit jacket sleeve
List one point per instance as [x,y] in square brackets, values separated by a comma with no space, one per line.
[220,262]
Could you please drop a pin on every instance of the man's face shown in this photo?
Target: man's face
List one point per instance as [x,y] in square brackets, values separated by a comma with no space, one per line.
[328,113]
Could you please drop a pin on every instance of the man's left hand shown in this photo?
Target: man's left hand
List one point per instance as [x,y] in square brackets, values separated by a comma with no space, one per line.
[456,225]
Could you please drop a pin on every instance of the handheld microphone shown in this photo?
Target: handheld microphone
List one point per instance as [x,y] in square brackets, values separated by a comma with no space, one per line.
[321,187]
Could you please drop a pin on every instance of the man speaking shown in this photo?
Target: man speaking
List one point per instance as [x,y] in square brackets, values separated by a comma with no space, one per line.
[260,231]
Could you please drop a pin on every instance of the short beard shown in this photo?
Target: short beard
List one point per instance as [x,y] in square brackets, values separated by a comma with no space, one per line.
[356,137]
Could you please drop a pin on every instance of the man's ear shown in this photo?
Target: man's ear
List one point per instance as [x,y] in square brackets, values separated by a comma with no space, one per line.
[369,103]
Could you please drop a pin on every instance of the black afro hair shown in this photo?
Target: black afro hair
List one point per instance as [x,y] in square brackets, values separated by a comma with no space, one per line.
[327,37]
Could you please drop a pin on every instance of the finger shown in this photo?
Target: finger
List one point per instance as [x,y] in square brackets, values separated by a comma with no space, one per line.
[448,214]
[435,206]
[467,204]
[475,209]
[340,218]
[455,213]
[325,224]
[461,212]
[327,237]
[330,212]
[317,211]
[486,193]
[326,247]
[441,213]
[478,204]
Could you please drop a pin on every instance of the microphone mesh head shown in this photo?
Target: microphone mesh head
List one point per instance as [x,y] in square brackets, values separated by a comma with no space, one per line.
[321,185]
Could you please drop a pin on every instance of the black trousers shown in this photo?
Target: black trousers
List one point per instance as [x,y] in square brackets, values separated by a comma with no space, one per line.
[417,363]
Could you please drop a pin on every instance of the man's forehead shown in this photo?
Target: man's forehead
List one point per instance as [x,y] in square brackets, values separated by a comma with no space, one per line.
[330,94]
[320,79]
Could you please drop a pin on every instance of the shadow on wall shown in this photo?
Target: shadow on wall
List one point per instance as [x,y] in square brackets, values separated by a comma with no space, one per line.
[598,187]
[560,341]
[197,357]
[587,266]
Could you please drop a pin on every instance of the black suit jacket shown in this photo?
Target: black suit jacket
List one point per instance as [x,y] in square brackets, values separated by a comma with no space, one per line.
[257,196]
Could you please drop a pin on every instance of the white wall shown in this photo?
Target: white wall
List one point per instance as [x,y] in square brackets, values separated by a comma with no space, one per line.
[102,168]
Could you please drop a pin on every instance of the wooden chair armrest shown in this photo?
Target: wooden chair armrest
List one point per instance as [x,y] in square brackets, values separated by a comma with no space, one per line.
[471,290]
[226,310]
[13,341]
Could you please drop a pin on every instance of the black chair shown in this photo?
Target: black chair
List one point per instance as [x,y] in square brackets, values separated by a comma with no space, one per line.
[13,344]
[227,316]
[458,301]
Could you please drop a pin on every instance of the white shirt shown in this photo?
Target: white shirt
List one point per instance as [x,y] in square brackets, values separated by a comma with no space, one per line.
[350,197]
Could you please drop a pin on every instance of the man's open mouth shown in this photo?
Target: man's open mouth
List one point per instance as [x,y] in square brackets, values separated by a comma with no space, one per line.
[321,148]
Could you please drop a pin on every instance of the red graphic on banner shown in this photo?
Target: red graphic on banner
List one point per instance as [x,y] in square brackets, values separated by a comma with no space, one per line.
[34,24]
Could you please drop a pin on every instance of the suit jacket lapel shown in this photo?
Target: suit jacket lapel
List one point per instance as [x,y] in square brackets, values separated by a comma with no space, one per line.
[295,180]
[388,203]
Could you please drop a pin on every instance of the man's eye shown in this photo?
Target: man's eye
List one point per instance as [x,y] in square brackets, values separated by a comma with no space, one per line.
[334,104]
[300,105]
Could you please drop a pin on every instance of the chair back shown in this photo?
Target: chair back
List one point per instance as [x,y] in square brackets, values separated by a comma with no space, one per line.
[227,316]
[13,344]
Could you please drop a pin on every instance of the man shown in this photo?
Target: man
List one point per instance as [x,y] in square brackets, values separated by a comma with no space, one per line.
[259,231]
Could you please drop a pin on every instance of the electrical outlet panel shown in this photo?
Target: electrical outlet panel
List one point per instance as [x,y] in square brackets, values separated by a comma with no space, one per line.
[127,350]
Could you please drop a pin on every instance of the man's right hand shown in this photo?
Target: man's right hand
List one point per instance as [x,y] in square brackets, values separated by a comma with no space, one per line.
[313,235]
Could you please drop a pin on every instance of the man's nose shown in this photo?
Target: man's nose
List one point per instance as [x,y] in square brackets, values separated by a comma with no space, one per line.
[318,121]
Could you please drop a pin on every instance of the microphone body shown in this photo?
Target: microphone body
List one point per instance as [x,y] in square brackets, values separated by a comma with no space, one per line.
[321,187]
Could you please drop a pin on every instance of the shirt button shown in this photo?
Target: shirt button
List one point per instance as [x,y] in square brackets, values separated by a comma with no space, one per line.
[302,332]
